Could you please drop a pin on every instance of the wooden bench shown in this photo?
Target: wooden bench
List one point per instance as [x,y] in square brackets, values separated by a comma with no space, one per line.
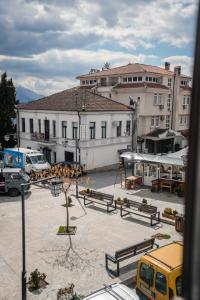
[100,198]
[140,209]
[127,253]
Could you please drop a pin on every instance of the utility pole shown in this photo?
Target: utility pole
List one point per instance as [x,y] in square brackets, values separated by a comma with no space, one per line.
[134,133]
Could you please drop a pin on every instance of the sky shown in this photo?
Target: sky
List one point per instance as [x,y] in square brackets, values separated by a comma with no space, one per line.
[45,44]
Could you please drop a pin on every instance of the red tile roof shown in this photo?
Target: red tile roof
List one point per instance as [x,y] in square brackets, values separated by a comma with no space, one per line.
[131,69]
[73,100]
[141,84]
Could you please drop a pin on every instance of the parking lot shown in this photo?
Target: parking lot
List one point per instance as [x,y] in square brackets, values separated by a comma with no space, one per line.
[81,258]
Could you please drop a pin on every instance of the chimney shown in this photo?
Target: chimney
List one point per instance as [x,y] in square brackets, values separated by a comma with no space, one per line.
[167,66]
[177,71]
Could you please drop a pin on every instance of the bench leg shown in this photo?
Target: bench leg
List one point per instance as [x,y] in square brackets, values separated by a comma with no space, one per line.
[121,213]
[112,208]
[117,269]
[86,203]
[155,217]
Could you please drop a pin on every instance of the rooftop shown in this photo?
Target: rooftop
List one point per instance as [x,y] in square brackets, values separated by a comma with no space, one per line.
[170,255]
[75,99]
[130,69]
[141,85]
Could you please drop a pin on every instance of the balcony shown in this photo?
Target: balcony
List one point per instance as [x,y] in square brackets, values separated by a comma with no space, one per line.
[43,139]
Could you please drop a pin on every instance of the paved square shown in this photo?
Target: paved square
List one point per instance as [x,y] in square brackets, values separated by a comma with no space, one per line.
[81,258]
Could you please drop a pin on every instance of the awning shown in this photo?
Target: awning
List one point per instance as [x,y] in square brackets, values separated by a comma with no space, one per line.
[158,159]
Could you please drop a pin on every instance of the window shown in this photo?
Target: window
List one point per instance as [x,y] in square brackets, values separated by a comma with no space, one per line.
[147,78]
[135,78]
[103,129]
[92,130]
[83,82]
[155,121]
[125,79]
[129,79]
[128,127]
[167,121]
[74,130]
[169,100]
[54,128]
[150,78]
[157,99]
[119,128]
[23,125]
[146,274]
[39,125]
[179,287]
[64,129]
[169,82]
[183,120]
[31,125]
[161,283]
[186,100]
[140,78]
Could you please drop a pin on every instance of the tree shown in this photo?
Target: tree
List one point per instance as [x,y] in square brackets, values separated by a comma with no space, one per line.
[7,112]
[106,66]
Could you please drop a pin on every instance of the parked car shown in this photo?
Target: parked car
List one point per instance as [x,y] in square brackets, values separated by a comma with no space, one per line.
[113,292]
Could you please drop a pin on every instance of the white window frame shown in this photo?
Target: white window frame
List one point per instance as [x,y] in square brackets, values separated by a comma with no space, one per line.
[155,121]
[158,99]
[169,82]
[186,100]
[169,101]
[167,121]
[183,120]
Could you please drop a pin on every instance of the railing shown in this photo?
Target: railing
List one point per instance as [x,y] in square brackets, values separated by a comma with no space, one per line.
[41,137]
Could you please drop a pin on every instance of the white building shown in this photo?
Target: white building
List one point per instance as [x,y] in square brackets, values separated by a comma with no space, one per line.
[163,98]
[54,124]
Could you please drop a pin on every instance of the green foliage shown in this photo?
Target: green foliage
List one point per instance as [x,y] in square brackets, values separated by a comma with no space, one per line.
[87,191]
[7,113]
[36,280]
[119,199]
[144,201]
[168,211]
[67,293]
[175,212]
[125,200]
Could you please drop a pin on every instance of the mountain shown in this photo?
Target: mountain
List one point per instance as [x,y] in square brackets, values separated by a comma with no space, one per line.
[25,95]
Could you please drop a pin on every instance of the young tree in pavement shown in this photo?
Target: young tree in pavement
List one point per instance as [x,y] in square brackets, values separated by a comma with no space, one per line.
[7,113]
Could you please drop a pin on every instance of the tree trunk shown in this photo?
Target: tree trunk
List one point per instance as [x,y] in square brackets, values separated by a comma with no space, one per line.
[67,212]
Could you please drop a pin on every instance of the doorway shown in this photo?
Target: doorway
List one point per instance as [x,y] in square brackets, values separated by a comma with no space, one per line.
[47,154]
[69,156]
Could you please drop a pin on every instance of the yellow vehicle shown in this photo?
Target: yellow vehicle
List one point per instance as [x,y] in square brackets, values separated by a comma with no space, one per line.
[159,273]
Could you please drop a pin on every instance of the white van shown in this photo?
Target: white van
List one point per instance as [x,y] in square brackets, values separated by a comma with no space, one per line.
[113,292]
[27,159]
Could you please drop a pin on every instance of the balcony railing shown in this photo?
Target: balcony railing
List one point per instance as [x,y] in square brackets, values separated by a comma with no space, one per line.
[43,138]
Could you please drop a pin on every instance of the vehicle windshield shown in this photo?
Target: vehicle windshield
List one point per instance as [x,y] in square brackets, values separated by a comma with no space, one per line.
[38,159]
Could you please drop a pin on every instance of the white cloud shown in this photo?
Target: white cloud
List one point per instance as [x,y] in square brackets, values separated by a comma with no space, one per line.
[185,62]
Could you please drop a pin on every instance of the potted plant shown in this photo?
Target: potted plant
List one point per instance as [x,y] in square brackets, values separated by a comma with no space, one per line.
[119,201]
[169,213]
[144,201]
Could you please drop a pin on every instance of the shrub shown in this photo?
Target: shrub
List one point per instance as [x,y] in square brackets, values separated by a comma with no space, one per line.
[144,201]
[36,279]
[67,293]
[87,191]
[168,211]
[119,199]
[175,212]
[125,200]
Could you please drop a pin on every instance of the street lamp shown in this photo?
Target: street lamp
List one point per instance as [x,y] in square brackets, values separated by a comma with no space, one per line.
[56,187]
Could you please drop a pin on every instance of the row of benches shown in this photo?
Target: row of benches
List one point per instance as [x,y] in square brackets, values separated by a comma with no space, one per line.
[130,207]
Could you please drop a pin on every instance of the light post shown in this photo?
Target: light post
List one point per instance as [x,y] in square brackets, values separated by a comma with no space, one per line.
[134,108]
[56,187]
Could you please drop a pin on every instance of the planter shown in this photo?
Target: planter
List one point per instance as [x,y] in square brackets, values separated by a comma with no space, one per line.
[179,223]
[171,217]
[118,202]
[63,230]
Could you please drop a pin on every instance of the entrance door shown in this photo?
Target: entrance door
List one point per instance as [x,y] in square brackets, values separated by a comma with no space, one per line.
[46,130]
[47,154]
[69,157]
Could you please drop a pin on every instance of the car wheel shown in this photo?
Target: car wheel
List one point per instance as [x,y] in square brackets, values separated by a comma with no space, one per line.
[13,192]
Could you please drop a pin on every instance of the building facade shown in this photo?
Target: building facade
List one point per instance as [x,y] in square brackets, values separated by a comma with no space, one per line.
[163,95]
[76,125]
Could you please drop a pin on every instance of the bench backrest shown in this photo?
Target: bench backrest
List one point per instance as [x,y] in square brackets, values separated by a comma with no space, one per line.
[101,196]
[140,247]
[148,208]
[133,203]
